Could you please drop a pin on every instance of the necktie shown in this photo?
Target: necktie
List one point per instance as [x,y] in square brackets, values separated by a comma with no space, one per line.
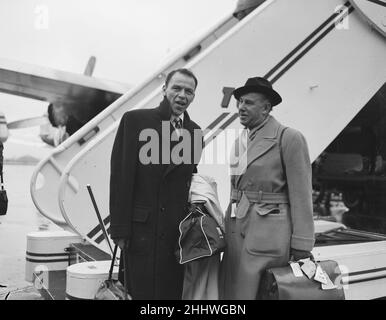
[177,123]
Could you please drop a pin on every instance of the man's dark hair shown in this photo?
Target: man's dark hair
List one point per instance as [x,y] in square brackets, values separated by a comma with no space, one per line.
[50,112]
[183,71]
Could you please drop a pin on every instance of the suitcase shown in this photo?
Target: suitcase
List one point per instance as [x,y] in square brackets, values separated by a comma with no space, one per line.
[281,284]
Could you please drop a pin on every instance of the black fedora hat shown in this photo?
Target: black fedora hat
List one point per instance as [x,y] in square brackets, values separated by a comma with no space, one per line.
[259,85]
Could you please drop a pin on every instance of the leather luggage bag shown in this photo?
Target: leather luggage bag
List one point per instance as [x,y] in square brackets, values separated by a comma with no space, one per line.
[200,235]
[281,284]
[112,289]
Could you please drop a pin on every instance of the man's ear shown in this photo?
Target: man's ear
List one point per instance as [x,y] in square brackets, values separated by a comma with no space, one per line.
[268,107]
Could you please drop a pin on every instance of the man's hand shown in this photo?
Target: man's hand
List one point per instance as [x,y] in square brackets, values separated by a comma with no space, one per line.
[121,242]
[296,254]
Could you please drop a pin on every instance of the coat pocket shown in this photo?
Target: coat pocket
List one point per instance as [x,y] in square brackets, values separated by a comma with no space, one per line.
[140,231]
[140,214]
[268,231]
[265,209]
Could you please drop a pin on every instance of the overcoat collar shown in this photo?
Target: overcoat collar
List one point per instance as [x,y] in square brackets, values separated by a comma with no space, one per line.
[165,110]
[260,141]
[165,114]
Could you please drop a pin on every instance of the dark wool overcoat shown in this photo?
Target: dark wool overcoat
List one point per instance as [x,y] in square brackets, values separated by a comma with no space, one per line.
[148,200]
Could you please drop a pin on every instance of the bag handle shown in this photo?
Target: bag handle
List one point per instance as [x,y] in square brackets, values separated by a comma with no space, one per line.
[311,257]
[125,269]
[113,262]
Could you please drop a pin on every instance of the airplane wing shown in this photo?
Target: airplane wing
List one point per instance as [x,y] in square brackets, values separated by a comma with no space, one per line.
[82,95]
[29,122]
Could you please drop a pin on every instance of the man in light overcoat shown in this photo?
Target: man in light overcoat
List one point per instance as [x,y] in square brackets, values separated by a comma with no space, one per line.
[270,215]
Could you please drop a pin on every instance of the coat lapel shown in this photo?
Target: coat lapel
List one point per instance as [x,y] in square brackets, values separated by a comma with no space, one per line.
[188,127]
[259,143]
[238,158]
[165,129]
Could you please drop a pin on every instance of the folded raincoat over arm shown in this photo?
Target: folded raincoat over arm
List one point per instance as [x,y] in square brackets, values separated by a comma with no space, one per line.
[204,188]
[201,241]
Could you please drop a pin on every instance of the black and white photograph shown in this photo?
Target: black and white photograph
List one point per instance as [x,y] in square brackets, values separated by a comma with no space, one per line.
[192,156]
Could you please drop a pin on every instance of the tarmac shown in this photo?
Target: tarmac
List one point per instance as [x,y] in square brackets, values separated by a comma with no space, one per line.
[22,218]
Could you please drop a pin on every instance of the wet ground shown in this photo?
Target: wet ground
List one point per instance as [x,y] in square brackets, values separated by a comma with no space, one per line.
[21,218]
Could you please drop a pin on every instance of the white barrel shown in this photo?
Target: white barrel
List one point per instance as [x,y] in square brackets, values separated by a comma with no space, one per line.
[84,279]
[46,251]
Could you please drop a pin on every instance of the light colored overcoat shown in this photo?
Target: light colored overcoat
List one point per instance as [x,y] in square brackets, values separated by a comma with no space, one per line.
[260,234]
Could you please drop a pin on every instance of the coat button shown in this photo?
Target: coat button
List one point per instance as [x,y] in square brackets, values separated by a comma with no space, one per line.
[242,234]
[162,236]
[162,209]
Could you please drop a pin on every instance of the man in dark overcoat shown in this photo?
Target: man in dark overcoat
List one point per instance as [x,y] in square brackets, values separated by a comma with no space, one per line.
[155,153]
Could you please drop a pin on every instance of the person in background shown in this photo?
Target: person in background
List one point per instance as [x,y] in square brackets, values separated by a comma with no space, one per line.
[1,157]
[60,125]
[3,137]
[270,217]
[245,7]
